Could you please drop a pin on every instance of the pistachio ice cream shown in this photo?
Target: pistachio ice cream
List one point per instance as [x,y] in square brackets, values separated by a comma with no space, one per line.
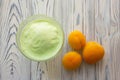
[41,39]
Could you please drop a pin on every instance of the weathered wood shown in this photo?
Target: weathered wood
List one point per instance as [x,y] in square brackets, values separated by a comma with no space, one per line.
[99,20]
[102,24]
[13,65]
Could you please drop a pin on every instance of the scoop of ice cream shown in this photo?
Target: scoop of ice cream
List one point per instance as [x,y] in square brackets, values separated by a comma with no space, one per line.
[40,39]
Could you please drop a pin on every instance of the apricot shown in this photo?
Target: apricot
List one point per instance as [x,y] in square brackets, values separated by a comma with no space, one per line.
[76,40]
[71,60]
[93,52]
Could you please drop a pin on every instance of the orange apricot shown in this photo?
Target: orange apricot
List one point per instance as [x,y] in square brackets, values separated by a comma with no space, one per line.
[71,60]
[93,52]
[76,40]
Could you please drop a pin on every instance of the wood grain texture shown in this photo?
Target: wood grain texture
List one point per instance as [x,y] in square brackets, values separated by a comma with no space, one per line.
[13,66]
[99,20]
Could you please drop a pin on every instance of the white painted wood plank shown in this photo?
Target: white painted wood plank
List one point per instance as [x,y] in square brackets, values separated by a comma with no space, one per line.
[51,70]
[114,35]
[107,33]
[39,70]
[102,25]
[89,27]
[67,21]
[73,19]
[99,20]
[13,65]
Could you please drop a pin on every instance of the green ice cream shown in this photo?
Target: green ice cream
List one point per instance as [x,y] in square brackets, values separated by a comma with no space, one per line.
[41,40]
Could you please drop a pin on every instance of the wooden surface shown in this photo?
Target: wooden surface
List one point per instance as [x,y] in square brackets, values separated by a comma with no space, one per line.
[99,20]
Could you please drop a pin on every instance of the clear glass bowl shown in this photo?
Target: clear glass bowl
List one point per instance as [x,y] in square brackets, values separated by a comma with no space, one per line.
[28,20]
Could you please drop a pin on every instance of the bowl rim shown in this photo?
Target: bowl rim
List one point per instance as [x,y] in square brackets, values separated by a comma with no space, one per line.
[33,18]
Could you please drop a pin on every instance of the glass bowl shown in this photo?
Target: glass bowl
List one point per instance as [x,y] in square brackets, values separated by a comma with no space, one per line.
[26,22]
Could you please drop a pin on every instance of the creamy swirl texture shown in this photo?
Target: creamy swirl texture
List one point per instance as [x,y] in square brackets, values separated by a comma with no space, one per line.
[41,39]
